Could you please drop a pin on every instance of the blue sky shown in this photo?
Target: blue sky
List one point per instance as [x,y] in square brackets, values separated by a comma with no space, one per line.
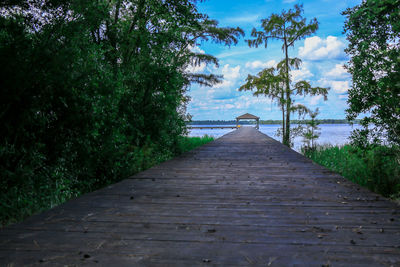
[322,54]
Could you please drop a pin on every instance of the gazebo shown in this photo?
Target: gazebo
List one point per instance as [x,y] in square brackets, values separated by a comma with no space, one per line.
[248,116]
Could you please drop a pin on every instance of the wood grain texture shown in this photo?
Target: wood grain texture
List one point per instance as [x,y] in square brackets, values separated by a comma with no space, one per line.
[244,199]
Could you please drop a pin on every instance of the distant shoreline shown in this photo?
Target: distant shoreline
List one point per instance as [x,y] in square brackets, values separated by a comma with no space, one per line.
[268,122]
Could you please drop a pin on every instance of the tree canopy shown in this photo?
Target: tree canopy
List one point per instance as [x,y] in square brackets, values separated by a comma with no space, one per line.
[287,27]
[90,91]
[373,30]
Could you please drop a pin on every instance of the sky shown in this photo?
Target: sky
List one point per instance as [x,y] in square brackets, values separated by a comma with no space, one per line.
[322,54]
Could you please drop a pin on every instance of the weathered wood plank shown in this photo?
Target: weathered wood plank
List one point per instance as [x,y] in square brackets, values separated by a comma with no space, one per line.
[243,199]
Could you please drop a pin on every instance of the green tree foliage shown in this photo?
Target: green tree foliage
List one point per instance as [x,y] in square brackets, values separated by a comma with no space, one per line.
[311,134]
[287,27]
[271,82]
[373,30]
[94,91]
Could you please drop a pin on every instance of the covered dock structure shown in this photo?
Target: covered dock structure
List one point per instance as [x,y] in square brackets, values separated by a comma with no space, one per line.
[248,116]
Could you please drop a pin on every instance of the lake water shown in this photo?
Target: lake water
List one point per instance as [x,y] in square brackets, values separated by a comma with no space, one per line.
[333,134]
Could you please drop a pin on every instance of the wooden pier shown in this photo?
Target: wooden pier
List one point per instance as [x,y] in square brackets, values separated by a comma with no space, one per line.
[244,199]
[212,127]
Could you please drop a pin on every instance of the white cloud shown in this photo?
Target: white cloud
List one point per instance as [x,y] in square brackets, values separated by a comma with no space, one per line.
[337,73]
[211,91]
[314,100]
[229,106]
[340,86]
[196,69]
[231,74]
[259,64]
[247,100]
[199,104]
[223,84]
[301,74]
[297,75]
[193,68]
[316,48]
[227,89]
[337,86]
[196,49]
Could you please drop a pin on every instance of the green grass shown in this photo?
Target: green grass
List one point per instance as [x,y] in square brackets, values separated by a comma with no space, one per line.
[377,168]
[34,194]
[189,143]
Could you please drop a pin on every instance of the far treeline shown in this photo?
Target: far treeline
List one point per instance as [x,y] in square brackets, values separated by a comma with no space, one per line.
[267,122]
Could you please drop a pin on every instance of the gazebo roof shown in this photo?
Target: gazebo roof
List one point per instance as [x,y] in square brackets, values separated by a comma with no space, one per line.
[247,116]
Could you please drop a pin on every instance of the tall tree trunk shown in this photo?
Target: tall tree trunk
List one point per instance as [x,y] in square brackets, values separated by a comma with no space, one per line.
[286,140]
[312,137]
[283,117]
[283,124]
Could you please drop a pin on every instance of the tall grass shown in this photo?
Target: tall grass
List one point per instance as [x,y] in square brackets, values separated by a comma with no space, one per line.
[31,196]
[189,143]
[377,168]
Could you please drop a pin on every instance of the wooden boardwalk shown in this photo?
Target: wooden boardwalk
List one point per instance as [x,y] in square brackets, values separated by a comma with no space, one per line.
[243,199]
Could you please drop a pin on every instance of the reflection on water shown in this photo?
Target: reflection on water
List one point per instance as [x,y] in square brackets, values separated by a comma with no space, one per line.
[334,134]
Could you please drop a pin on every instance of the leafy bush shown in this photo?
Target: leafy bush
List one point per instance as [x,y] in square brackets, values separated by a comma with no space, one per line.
[54,185]
[92,92]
